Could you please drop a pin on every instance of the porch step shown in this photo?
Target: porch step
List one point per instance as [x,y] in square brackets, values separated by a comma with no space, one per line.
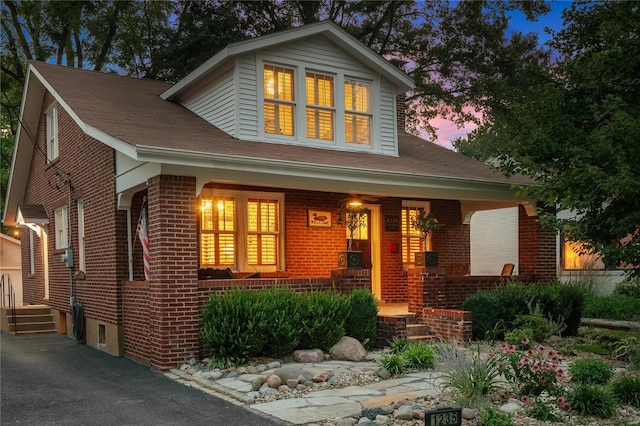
[427,338]
[30,320]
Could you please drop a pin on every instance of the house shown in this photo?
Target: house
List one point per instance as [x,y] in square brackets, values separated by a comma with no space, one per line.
[10,270]
[241,168]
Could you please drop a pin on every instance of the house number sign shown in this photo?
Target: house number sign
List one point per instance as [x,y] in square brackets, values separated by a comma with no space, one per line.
[443,417]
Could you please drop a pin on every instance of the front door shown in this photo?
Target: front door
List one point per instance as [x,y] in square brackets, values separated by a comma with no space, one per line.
[367,240]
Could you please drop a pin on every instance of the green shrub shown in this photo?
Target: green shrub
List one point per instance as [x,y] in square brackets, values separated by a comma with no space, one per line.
[560,304]
[419,355]
[539,326]
[363,317]
[395,364]
[592,400]
[234,325]
[627,390]
[284,327]
[614,307]
[322,316]
[486,308]
[590,370]
[629,287]
[521,338]
[241,324]
[490,416]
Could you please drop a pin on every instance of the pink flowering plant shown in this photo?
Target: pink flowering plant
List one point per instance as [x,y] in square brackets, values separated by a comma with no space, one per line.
[531,371]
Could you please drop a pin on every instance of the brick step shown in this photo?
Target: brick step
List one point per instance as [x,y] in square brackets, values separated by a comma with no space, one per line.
[40,327]
[417,330]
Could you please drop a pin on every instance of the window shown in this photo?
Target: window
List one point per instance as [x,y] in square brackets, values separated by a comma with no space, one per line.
[320,109]
[52,133]
[62,227]
[218,232]
[357,115]
[81,253]
[411,238]
[262,235]
[240,230]
[279,97]
[573,259]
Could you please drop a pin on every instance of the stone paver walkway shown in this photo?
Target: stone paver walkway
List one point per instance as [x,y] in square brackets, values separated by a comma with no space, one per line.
[325,404]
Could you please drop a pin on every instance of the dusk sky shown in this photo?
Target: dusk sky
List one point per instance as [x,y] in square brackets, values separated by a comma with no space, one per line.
[448,131]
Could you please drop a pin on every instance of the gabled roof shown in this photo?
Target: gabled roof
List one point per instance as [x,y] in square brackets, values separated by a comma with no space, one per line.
[327,29]
[129,115]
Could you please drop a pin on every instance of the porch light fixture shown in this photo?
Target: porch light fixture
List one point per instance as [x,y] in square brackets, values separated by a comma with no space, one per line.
[354,202]
[33,216]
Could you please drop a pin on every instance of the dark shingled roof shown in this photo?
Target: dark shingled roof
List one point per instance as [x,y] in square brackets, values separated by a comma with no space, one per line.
[132,111]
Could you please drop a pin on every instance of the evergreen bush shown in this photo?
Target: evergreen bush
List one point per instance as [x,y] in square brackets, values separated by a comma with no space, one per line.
[590,370]
[486,308]
[322,316]
[363,317]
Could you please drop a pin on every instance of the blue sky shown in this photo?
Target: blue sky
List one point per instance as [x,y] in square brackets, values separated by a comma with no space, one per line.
[448,131]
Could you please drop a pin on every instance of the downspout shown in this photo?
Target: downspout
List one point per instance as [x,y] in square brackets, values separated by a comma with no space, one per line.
[129,244]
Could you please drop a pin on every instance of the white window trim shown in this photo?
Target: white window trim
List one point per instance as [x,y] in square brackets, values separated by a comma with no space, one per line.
[242,226]
[300,70]
[53,144]
[62,223]
[82,266]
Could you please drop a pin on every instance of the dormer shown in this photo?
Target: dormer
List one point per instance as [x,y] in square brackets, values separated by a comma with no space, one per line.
[313,86]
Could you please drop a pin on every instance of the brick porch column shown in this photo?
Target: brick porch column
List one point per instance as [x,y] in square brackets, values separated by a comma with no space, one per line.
[173,287]
[536,248]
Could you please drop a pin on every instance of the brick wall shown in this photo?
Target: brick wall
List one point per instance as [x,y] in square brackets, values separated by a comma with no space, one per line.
[89,166]
[393,283]
[449,324]
[536,248]
[135,306]
[173,285]
[389,328]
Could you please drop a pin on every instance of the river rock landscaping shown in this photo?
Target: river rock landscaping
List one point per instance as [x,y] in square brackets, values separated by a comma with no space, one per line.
[266,381]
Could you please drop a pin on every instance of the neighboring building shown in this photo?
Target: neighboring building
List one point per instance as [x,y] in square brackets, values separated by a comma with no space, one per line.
[244,164]
[10,269]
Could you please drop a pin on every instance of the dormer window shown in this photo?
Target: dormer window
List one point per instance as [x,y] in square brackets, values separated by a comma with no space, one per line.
[279,101]
[320,108]
[357,114]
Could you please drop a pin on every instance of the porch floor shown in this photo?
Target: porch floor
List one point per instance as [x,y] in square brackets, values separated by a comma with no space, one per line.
[393,308]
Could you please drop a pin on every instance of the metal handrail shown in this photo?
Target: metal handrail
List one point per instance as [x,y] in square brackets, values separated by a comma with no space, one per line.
[8,292]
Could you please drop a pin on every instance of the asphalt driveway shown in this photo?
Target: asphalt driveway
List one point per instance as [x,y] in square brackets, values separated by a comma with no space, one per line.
[50,379]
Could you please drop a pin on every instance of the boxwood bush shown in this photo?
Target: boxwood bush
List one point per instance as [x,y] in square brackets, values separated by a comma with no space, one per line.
[496,310]
[363,317]
[241,324]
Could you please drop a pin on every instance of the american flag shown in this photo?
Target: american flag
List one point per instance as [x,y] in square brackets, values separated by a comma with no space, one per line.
[143,235]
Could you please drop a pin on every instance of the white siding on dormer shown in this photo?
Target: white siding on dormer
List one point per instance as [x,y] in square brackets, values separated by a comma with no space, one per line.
[247,86]
[216,103]
[233,102]
[387,117]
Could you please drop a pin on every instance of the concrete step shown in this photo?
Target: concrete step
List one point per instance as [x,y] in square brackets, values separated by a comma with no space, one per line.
[43,327]
[20,319]
[33,310]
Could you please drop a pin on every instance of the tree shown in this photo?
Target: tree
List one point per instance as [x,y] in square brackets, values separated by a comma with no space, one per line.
[574,128]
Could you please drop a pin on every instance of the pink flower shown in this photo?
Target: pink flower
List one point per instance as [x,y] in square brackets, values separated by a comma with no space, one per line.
[519,364]
[536,367]
[540,348]
[530,352]
[504,346]
[566,406]
[561,400]
[543,380]
[525,361]
[525,341]
[524,399]
[512,349]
